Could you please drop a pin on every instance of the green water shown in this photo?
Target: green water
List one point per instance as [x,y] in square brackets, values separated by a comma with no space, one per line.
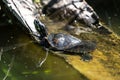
[18,45]
[25,55]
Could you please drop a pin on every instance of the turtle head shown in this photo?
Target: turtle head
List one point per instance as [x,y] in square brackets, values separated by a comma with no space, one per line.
[41,29]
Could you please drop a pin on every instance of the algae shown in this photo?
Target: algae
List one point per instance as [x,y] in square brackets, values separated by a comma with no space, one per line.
[105,64]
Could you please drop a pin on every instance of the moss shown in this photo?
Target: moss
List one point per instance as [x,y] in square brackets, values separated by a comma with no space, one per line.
[106,57]
[105,64]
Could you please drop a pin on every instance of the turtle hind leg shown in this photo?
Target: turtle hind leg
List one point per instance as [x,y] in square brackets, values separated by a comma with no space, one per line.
[86,57]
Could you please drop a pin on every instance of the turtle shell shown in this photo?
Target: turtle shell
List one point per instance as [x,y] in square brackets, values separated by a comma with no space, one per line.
[62,41]
[68,43]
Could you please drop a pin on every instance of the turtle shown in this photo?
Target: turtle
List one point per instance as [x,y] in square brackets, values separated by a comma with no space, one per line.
[69,44]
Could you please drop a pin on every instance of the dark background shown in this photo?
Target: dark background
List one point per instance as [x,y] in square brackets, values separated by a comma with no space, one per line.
[112,6]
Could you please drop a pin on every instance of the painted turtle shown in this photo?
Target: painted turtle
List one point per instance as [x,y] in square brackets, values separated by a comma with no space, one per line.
[69,44]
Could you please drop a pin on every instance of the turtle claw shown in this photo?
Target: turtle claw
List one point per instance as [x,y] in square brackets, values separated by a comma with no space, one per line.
[86,57]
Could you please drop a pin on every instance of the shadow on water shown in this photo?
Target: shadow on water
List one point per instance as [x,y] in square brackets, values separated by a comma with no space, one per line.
[13,41]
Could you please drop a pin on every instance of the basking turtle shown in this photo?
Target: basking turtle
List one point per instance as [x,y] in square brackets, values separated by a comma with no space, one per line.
[69,44]
[24,12]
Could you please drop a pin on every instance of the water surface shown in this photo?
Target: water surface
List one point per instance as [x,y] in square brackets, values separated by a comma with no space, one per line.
[21,56]
[24,55]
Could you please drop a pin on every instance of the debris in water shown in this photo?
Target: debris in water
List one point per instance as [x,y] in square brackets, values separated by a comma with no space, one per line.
[41,62]
[47,71]
[11,37]
[1,52]
[10,67]
[15,46]
[0,7]
[4,62]
[8,41]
